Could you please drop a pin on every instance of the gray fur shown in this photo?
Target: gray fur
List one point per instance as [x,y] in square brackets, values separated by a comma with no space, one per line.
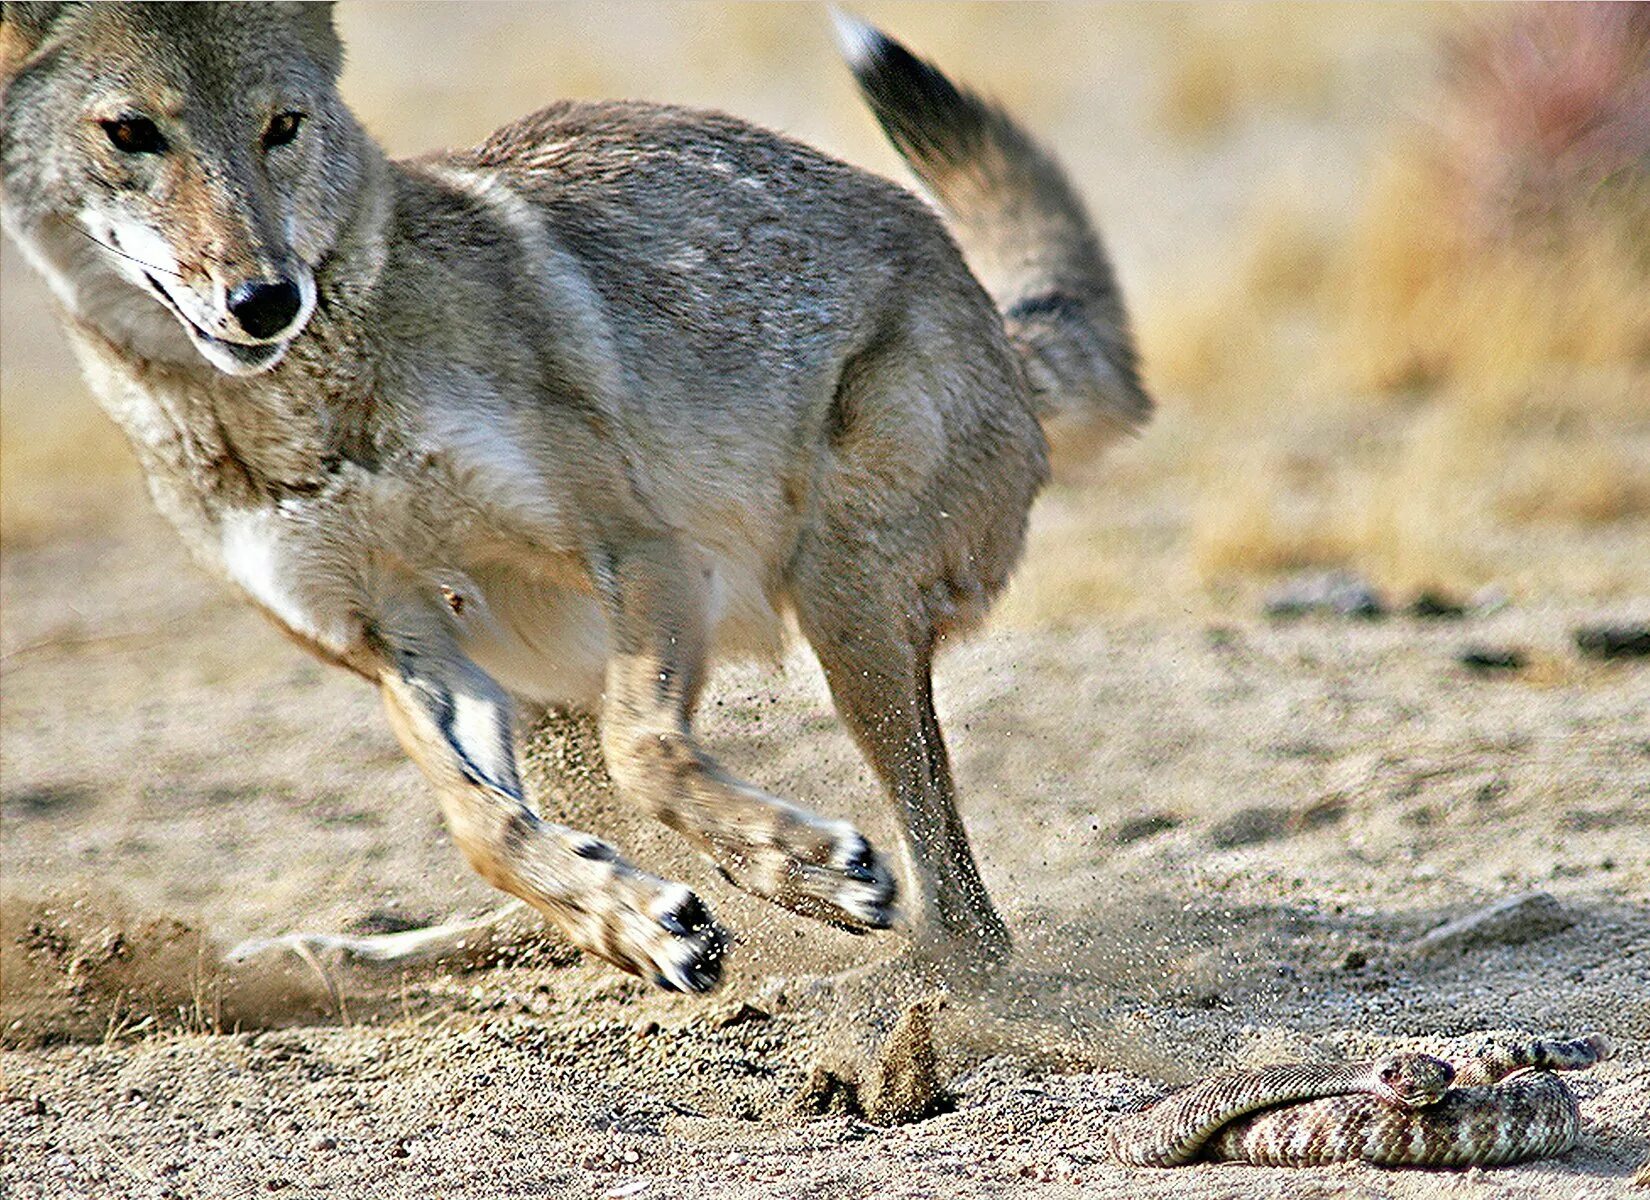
[566,415]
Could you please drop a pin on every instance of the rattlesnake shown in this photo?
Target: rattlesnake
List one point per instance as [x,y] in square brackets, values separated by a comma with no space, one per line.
[1405,1110]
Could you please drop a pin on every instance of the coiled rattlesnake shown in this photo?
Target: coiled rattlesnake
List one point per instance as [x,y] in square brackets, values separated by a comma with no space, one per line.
[1501,1105]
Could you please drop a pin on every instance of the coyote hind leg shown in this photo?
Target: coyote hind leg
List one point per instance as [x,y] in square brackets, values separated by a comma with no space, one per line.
[473,941]
[880,680]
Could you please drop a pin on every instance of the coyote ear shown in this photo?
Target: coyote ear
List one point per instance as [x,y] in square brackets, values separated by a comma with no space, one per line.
[313,23]
[23,26]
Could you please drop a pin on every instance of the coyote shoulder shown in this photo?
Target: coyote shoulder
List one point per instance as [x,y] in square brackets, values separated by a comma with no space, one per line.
[559,419]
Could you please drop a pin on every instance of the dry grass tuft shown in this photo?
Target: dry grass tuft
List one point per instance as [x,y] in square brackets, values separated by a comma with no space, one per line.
[1286,259]
[1480,347]
[1512,233]
[1590,484]
[1234,339]
[1425,301]
[1420,518]
[1196,342]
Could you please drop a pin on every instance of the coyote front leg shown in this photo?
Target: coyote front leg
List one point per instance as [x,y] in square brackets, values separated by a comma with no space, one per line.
[457,724]
[762,844]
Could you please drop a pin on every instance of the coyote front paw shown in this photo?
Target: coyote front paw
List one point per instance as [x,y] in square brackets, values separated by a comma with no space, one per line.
[821,869]
[665,934]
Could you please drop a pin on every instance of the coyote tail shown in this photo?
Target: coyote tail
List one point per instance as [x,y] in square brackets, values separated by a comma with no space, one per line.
[1023,230]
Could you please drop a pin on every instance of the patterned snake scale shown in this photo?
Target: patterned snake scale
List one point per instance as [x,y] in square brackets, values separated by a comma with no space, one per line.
[1502,1105]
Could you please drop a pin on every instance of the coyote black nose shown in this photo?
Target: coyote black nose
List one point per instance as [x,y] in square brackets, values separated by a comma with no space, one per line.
[264,308]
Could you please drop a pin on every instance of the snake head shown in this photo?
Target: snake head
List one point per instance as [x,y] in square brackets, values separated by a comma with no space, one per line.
[1412,1081]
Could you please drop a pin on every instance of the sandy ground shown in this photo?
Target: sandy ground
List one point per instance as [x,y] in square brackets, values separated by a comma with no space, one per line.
[1214,840]
[1217,836]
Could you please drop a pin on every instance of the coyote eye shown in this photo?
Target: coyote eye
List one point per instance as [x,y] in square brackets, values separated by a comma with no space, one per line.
[283,127]
[135,135]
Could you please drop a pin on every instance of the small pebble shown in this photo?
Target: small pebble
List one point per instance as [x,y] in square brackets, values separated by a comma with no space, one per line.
[1326,810]
[1490,658]
[1509,922]
[738,1014]
[1337,593]
[1249,826]
[1613,641]
[1488,600]
[1143,825]
[1436,606]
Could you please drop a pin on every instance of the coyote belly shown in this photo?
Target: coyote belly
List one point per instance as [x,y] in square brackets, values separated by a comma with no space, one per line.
[562,418]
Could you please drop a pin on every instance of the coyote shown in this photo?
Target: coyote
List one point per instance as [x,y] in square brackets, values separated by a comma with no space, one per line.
[559,419]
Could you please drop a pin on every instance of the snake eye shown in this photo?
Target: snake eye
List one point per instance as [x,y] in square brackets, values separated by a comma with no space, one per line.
[134,135]
[282,128]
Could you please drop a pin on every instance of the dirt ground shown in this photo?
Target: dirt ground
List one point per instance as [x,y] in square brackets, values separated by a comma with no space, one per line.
[1218,836]
[1215,839]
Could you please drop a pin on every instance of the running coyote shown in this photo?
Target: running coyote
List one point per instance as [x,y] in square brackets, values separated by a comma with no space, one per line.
[559,419]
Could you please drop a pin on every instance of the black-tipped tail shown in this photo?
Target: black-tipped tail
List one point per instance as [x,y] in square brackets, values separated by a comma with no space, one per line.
[1021,226]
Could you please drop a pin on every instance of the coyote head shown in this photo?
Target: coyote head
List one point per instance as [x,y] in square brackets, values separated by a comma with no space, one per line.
[197,155]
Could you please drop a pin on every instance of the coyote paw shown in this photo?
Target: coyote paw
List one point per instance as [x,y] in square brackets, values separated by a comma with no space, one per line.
[670,938]
[854,881]
[830,873]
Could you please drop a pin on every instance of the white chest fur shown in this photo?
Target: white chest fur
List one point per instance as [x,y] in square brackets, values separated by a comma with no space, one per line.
[327,576]
[265,553]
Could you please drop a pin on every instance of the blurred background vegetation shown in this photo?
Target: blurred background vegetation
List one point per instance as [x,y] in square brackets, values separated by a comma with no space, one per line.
[1390,268]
